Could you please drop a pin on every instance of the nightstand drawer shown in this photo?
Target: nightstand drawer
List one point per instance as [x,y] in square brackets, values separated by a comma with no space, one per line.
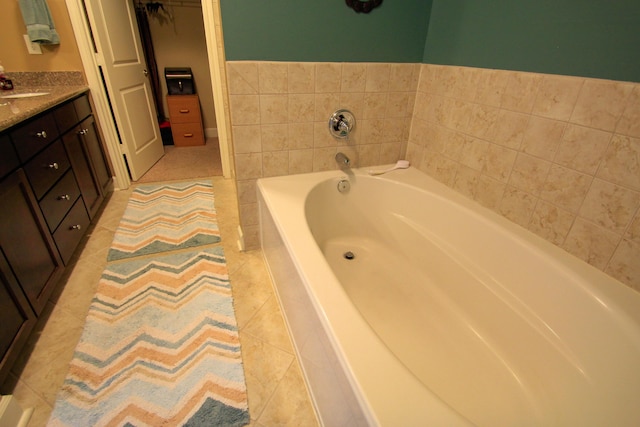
[46,168]
[184,109]
[185,134]
[59,200]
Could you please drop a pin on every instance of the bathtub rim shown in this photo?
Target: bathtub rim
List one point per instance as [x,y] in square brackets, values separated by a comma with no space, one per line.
[298,240]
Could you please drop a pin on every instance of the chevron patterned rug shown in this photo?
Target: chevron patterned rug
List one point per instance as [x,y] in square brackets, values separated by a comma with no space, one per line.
[163,217]
[160,347]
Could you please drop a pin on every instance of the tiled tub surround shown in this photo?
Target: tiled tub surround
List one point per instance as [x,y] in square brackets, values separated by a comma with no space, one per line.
[558,155]
[280,113]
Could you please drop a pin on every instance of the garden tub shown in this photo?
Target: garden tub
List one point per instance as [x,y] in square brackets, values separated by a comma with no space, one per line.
[411,305]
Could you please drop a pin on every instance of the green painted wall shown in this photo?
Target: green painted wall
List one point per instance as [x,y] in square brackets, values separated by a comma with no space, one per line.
[324,30]
[591,38]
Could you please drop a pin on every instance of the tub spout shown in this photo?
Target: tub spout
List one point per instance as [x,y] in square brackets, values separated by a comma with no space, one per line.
[342,160]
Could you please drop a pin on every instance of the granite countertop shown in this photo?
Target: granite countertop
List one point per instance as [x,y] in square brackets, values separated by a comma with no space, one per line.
[14,111]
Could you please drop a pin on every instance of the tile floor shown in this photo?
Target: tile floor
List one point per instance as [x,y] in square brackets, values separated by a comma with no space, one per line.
[276,391]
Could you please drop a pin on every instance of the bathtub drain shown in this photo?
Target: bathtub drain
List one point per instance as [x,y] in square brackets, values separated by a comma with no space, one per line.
[349,255]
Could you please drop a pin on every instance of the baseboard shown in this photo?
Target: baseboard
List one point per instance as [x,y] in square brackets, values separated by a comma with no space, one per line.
[211,132]
[12,414]
[241,245]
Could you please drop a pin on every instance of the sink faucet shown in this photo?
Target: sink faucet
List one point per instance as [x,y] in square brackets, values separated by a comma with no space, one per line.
[343,161]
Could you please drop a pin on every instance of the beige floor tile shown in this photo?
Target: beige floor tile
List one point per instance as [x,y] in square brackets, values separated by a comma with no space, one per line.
[264,367]
[98,243]
[79,290]
[52,326]
[112,213]
[46,366]
[289,405]
[250,293]
[27,398]
[268,325]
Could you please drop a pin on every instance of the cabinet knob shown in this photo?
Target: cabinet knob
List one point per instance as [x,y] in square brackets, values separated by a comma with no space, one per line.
[54,165]
[75,227]
[42,134]
[184,111]
[188,135]
[83,131]
[64,197]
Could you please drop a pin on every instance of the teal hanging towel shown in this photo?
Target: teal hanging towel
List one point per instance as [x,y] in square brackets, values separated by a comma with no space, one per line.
[37,18]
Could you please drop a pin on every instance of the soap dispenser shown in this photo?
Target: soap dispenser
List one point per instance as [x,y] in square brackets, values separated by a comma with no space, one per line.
[5,83]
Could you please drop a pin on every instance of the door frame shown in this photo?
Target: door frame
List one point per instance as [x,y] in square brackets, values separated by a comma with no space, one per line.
[82,33]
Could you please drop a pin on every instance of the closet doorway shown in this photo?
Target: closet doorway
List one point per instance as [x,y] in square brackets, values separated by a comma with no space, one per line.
[91,59]
[174,34]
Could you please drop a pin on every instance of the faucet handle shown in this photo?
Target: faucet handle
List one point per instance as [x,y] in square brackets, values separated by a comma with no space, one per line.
[341,123]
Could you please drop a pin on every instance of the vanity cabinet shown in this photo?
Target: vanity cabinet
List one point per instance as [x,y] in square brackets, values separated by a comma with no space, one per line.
[53,180]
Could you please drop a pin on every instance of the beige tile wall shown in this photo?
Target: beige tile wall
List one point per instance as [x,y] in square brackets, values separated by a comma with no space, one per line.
[558,155]
[280,113]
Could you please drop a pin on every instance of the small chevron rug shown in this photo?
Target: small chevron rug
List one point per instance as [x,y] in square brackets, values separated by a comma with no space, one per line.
[160,347]
[164,217]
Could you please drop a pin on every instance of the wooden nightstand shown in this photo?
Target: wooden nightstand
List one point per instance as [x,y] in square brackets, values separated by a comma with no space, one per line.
[186,120]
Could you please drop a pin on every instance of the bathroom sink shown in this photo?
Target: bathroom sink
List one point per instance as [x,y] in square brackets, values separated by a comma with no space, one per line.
[24,95]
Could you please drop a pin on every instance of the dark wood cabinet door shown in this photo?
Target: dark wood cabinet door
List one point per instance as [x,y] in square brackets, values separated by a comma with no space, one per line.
[16,318]
[26,242]
[80,159]
[91,140]
[8,157]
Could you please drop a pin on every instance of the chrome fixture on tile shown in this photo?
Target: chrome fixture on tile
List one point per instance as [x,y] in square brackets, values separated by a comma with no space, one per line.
[343,160]
[341,123]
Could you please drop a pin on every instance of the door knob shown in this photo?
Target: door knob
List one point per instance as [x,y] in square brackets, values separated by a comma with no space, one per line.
[145,72]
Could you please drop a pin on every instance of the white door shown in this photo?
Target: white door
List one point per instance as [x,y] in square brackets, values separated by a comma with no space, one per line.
[121,59]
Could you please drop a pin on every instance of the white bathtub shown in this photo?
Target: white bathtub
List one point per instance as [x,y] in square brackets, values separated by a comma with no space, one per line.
[448,314]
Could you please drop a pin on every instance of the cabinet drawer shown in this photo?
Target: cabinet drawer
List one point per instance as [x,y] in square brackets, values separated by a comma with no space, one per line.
[184,109]
[33,136]
[186,134]
[46,168]
[59,200]
[82,106]
[65,116]
[71,230]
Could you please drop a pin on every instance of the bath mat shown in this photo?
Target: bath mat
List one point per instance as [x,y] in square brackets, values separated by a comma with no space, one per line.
[164,217]
[160,347]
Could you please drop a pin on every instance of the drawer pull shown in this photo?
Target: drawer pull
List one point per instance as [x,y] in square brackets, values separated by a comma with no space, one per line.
[184,111]
[188,135]
[83,131]
[54,165]
[64,197]
[75,227]
[42,134]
